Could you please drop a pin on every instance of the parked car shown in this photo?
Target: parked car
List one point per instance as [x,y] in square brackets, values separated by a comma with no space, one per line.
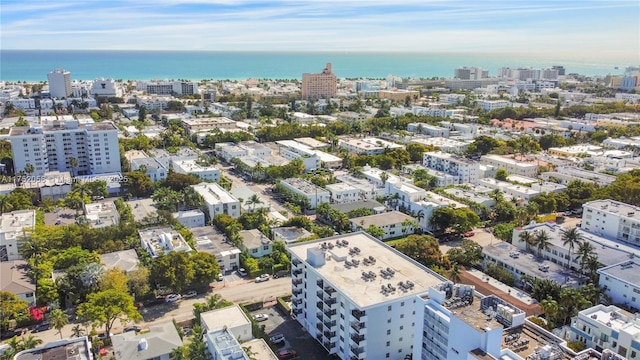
[242,272]
[172,298]
[469,234]
[190,294]
[277,339]
[45,325]
[134,328]
[287,354]
[220,277]
[260,317]
[94,198]
[104,336]
[262,278]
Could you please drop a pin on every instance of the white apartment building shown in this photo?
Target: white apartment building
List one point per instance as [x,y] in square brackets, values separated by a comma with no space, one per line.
[609,252]
[621,282]
[308,157]
[368,146]
[357,296]
[343,192]
[488,105]
[471,195]
[454,323]
[208,239]
[105,87]
[192,167]
[51,145]
[162,240]
[608,328]
[442,179]
[612,219]
[159,87]
[509,189]
[102,214]
[154,169]
[511,165]
[193,126]
[255,243]
[586,175]
[452,99]
[375,176]
[425,207]
[394,224]
[218,200]
[427,129]
[228,151]
[12,227]
[622,142]
[405,193]
[315,194]
[632,98]
[60,83]
[368,191]
[464,169]
[190,218]
[446,145]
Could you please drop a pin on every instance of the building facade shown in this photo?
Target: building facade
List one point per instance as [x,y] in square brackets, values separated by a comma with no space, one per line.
[612,219]
[60,83]
[319,86]
[464,169]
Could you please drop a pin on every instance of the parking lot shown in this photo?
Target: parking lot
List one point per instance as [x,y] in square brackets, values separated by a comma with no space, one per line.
[296,337]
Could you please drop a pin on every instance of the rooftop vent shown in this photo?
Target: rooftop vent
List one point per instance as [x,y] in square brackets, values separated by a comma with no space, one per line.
[143,344]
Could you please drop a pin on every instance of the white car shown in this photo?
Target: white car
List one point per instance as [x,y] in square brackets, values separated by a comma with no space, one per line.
[172,298]
[263,277]
[242,272]
[260,317]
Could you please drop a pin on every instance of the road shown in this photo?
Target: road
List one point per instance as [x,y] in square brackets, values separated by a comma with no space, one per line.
[238,292]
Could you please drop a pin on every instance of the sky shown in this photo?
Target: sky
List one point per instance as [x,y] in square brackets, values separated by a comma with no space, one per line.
[610,27]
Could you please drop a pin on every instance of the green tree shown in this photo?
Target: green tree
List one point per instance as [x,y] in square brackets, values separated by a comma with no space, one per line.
[457,221]
[570,237]
[173,271]
[142,113]
[205,268]
[138,183]
[375,231]
[421,248]
[105,307]
[542,241]
[528,239]
[58,319]
[11,306]
[469,254]
[502,174]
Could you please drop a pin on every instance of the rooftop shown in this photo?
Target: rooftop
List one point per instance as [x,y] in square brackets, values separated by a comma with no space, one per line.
[162,240]
[509,161]
[260,349]
[207,121]
[291,233]
[384,219]
[151,163]
[126,260]
[311,142]
[212,193]
[142,208]
[68,349]
[615,207]
[449,157]
[469,195]
[612,317]
[627,271]
[349,280]
[230,317]
[355,205]
[208,239]
[12,223]
[14,277]
[253,238]
[225,345]
[160,340]
[305,186]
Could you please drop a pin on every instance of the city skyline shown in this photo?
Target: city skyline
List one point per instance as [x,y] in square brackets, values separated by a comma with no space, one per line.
[563,27]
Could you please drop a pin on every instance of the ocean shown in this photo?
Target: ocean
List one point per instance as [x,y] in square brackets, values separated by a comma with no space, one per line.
[33,65]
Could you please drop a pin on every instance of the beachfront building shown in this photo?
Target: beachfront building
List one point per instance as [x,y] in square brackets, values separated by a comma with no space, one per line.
[60,83]
[12,228]
[315,194]
[193,167]
[51,145]
[621,282]
[319,86]
[338,299]
[162,240]
[105,87]
[512,166]
[607,328]
[464,169]
[612,219]
[218,200]
[394,224]
[159,87]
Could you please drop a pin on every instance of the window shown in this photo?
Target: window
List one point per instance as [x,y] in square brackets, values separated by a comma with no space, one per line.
[388,332]
[399,350]
[389,321]
[387,355]
[265,247]
[401,327]
[401,316]
[402,303]
[388,343]
[389,308]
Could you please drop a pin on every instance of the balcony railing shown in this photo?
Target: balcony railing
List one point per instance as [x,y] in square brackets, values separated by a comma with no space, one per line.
[358,314]
[357,350]
[357,326]
[297,292]
[296,262]
[319,305]
[319,326]
[330,313]
[319,316]
[320,283]
[297,311]
[319,294]
[329,290]
[329,324]
[357,338]
[297,301]
[297,282]
[297,272]
[329,334]
[330,301]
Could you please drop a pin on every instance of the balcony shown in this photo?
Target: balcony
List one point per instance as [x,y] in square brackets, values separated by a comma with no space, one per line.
[297,272]
[319,316]
[296,262]
[329,345]
[297,292]
[357,338]
[297,282]
[297,311]
[358,314]
[330,301]
[357,350]
[319,326]
[319,305]
[329,290]
[357,326]
[330,312]
[329,334]
[320,283]
[319,294]
[329,324]
[297,301]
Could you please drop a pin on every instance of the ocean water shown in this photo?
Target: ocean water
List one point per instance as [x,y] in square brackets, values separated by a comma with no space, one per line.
[33,65]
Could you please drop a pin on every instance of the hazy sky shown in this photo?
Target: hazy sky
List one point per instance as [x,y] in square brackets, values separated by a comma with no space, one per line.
[577,26]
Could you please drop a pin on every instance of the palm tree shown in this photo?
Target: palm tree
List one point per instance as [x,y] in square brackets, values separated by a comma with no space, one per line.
[585,249]
[29,169]
[73,163]
[30,342]
[419,216]
[91,275]
[77,331]
[384,177]
[528,239]
[592,264]
[571,237]
[5,205]
[253,201]
[454,273]
[58,319]
[542,241]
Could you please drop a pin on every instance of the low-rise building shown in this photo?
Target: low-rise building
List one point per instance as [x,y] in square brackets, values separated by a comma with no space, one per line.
[587,175]
[67,349]
[190,218]
[142,209]
[218,200]
[343,192]
[427,129]
[196,125]
[607,328]
[230,317]
[378,176]
[315,194]
[14,279]
[573,151]
[444,144]
[156,344]
[394,224]
[102,214]
[368,190]
[367,146]
[125,260]
[470,195]
[464,169]
[192,167]
[150,166]
[512,166]
[290,234]
[255,243]
[12,229]
[162,240]
[621,282]
[291,150]
[208,239]
[612,219]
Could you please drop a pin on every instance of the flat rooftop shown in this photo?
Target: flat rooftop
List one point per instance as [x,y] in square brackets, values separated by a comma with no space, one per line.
[305,186]
[230,317]
[142,208]
[628,271]
[208,239]
[355,205]
[349,280]
[387,218]
[68,349]
[615,207]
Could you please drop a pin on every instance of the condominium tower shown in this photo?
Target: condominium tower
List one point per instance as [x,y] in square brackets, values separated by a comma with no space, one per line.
[60,83]
[319,86]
